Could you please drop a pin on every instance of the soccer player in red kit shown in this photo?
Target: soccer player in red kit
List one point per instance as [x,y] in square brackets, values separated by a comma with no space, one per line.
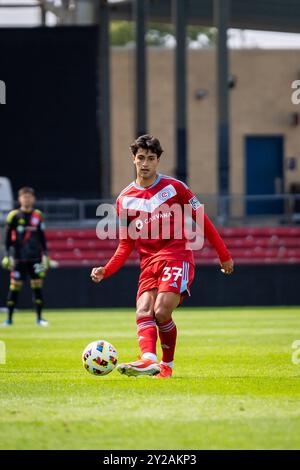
[149,223]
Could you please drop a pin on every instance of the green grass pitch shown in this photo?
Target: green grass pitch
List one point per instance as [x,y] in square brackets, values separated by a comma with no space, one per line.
[234,386]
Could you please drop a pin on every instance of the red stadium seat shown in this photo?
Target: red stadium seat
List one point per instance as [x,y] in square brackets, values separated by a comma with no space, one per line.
[248,245]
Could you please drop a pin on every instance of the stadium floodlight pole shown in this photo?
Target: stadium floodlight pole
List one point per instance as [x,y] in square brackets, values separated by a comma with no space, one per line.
[43,12]
[221,17]
[179,13]
[104,99]
[139,14]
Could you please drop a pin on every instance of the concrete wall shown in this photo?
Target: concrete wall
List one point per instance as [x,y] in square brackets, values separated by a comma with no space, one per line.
[260,105]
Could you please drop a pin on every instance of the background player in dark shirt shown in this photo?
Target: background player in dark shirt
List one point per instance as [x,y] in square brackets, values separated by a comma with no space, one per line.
[26,253]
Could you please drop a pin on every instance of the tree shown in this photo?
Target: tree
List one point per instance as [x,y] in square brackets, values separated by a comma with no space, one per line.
[160,34]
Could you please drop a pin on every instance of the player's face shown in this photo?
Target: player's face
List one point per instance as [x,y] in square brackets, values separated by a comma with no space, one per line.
[146,163]
[27,201]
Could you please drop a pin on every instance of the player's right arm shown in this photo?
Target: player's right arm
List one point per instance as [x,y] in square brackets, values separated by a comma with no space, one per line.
[7,260]
[123,251]
[125,248]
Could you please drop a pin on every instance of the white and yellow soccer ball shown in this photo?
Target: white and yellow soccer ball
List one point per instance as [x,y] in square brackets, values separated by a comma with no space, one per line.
[99,357]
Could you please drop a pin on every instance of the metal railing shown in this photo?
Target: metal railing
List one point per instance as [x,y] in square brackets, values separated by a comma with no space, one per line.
[233,210]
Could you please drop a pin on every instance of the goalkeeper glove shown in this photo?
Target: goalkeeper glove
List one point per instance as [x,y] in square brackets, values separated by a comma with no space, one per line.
[46,262]
[8,262]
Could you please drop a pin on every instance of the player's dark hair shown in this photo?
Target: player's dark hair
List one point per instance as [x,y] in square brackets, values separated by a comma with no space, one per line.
[147,142]
[26,190]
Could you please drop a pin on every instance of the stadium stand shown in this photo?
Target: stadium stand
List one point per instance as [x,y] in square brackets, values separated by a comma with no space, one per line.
[280,245]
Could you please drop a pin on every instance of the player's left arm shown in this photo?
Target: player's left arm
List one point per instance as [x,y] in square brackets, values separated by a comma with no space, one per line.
[215,239]
[210,230]
[43,240]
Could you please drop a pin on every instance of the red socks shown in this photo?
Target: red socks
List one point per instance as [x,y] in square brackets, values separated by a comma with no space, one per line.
[147,335]
[167,335]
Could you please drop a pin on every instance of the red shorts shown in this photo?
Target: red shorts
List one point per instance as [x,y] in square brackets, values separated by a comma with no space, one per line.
[167,276]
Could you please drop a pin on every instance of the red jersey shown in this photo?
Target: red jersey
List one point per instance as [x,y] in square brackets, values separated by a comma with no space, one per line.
[153,220]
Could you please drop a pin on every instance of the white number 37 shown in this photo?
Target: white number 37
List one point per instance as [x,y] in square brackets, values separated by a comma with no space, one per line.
[169,272]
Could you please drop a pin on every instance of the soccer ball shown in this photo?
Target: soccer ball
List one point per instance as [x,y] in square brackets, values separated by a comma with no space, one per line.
[99,357]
